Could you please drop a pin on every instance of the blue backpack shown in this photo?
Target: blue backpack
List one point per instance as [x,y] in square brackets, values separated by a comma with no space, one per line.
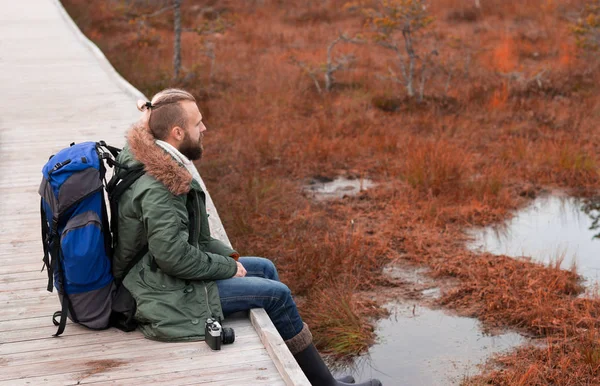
[76,232]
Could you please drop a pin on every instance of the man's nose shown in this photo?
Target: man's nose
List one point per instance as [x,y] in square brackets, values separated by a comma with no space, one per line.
[202,127]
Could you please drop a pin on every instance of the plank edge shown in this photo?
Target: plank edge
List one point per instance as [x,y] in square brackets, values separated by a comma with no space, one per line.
[278,351]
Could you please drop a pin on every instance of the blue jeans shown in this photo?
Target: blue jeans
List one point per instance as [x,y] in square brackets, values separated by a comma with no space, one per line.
[261,288]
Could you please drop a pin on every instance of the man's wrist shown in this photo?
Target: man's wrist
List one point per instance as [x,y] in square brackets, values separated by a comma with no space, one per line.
[235,256]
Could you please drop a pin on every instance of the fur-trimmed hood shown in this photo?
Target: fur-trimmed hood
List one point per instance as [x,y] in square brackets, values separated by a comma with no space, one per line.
[157,162]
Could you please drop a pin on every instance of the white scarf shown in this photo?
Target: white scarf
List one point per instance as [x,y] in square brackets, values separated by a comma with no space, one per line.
[216,227]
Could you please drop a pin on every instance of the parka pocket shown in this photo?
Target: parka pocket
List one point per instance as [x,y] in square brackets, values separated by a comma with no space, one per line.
[160,281]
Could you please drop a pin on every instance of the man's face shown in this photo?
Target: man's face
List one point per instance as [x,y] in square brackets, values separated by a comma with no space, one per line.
[191,146]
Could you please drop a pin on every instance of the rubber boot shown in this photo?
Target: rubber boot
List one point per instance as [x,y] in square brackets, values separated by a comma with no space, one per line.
[317,372]
[346,379]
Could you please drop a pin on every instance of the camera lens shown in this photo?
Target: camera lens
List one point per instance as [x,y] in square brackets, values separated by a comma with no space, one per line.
[228,335]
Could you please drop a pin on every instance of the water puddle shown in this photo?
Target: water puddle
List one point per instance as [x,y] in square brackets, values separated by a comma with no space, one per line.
[550,228]
[421,346]
[324,188]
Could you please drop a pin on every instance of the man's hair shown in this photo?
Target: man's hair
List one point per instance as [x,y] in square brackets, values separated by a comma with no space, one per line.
[166,111]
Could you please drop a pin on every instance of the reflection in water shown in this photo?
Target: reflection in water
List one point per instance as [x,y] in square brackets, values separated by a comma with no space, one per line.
[551,229]
[420,346]
[592,208]
[338,188]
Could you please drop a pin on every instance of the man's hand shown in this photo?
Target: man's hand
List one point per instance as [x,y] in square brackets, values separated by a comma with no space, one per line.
[241,271]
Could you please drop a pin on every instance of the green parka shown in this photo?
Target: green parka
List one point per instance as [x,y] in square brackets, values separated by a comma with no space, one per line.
[173,284]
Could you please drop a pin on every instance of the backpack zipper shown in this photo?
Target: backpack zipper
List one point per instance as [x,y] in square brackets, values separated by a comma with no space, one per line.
[94,221]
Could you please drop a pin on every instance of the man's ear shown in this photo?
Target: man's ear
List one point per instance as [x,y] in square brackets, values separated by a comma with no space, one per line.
[177,133]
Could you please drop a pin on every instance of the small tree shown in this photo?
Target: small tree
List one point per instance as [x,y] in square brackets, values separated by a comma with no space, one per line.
[177,41]
[587,27]
[142,20]
[217,24]
[331,65]
[395,24]
[212,26]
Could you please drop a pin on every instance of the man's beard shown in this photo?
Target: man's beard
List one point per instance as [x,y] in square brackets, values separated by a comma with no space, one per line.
[192,150]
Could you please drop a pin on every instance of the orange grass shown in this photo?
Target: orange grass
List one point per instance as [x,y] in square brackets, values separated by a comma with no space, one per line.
[338,323]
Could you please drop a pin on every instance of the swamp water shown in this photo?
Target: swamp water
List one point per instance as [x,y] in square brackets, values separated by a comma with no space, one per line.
[421,346]
[551,228]
[325,188]
[417,345]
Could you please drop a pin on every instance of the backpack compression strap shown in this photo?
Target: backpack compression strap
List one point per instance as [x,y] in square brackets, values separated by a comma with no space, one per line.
[56,253]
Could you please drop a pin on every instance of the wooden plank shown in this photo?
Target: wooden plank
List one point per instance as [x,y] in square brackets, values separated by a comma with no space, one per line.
[66,340]
[125,364]
[17,236]
[152,359]
[121,372]
[26,267]
[254,373]
[38,293]
[13,277]
[28,308]
[245,336]
[23,324]
[32,258]
[57,142]
[27,10]
[282,357]
[216,359]
[21,285]
[76,336]
[245,339]
[38,333]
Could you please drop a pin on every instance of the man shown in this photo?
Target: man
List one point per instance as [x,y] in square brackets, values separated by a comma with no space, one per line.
[187,276]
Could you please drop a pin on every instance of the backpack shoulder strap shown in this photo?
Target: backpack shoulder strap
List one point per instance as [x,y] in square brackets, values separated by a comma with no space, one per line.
[115,188]
[113,150]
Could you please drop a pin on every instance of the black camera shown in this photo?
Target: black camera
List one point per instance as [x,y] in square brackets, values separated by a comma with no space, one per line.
[215,335]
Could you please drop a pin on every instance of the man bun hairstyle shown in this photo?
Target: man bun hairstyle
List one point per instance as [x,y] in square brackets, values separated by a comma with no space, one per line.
[165,111]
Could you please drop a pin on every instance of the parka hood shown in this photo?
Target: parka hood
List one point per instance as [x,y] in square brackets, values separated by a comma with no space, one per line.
[157,162]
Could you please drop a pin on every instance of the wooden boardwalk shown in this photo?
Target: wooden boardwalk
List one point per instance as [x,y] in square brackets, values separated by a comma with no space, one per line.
[57,88]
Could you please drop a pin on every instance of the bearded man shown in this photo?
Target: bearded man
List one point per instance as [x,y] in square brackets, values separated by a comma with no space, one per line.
[186,276]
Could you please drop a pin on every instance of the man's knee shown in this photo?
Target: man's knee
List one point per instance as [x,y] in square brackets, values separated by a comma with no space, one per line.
[281,292]
[260,266]
[271,270]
